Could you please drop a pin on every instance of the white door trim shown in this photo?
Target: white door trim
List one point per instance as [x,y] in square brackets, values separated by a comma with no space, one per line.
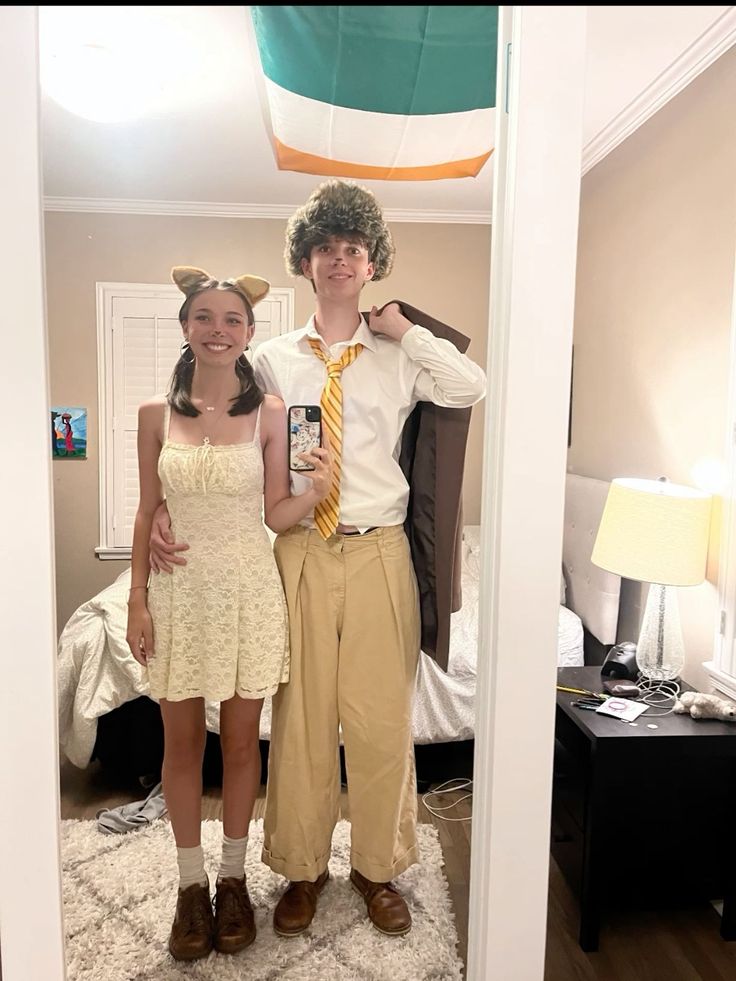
[533,257]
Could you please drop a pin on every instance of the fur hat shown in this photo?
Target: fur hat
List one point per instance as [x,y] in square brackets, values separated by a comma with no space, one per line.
[189,279]
[343,209]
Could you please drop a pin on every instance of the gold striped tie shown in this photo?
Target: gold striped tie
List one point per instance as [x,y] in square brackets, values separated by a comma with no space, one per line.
[327,512]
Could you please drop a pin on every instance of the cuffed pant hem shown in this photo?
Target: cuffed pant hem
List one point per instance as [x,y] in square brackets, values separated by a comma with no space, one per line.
[293,872]
[384,873]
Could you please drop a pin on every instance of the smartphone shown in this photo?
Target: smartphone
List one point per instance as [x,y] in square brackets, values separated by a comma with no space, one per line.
[305,433]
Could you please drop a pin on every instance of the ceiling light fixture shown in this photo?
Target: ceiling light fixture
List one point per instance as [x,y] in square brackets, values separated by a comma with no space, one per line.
[97,63]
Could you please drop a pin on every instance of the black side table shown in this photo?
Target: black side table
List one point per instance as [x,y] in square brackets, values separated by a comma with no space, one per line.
[643,816]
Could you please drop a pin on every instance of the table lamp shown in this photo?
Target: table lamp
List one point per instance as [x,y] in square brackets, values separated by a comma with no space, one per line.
[656,532]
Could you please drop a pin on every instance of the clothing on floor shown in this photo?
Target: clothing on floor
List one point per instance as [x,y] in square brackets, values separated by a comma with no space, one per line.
[132,817]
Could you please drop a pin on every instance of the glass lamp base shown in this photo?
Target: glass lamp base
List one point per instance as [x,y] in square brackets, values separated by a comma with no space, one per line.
[660,653]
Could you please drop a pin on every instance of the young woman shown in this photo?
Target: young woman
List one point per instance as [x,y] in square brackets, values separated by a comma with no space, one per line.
[216,629]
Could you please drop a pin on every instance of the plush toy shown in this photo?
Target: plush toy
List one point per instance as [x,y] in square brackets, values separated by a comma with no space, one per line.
[702,706]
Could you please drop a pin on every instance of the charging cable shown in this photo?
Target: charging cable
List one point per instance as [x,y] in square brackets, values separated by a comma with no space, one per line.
[435,809]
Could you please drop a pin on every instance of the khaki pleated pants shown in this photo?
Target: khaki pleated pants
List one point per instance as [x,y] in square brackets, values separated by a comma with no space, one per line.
[354,628]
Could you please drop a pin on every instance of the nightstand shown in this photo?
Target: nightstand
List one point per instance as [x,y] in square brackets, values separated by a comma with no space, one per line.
[665,798]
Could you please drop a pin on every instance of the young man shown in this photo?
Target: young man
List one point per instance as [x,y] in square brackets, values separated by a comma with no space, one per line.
[347,569]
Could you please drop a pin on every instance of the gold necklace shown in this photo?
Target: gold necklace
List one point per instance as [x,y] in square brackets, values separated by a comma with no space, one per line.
[212,424]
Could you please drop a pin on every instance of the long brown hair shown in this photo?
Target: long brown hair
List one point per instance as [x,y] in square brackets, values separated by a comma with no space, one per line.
[179,395]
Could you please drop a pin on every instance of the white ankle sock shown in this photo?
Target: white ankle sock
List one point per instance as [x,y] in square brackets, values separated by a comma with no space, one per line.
[233,857]
[191,866]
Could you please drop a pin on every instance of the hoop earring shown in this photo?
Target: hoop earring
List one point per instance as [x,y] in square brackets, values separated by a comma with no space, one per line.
[185,353]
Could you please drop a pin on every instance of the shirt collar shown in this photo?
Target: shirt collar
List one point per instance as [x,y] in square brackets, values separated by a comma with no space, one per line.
[363,335]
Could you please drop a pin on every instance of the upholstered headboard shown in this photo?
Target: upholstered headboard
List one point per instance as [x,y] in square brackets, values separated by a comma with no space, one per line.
[592,593]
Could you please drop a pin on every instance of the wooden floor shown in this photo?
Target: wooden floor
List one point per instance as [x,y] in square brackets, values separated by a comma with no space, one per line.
[650,946]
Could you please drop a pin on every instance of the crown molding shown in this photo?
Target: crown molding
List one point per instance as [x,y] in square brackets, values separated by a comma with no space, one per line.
[440,217]
[695,59]
[185,209]
[211,209]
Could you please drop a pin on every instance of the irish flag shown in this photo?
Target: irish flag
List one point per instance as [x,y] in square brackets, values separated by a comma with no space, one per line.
[381,93]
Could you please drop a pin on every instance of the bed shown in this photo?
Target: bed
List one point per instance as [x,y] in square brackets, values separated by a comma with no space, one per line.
[105,711]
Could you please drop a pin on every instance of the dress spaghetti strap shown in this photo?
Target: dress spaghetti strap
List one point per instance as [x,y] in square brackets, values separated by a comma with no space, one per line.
[167,420]
[257,430]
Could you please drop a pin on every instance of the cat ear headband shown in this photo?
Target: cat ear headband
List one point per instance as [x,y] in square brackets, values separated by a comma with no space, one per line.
[188,278]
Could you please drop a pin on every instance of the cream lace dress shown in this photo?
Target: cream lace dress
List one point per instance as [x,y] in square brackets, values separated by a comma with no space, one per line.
[220,621]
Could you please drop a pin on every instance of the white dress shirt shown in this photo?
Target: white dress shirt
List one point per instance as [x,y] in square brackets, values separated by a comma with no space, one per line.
[379,391]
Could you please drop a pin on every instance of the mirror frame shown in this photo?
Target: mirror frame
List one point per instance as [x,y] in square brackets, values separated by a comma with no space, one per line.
[536,195]
[30,945]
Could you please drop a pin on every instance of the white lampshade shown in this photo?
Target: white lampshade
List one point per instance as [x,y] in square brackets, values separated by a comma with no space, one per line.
[654,531]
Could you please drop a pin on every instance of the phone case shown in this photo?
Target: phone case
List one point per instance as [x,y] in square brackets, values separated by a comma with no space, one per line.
[304,434]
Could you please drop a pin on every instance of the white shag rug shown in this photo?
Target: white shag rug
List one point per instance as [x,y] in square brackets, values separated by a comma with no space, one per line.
[120,896]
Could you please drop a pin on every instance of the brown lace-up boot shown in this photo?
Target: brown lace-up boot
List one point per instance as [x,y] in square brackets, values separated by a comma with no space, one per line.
[235,925]
[296,908]
[193,929]
[386,907]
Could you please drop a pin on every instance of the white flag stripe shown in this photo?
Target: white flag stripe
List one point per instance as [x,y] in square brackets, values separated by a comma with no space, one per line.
[370,138]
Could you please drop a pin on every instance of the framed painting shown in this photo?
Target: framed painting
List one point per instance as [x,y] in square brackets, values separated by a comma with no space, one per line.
[68,433]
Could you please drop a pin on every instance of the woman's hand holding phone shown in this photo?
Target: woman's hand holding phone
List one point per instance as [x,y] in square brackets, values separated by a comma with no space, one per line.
[309,448]
[320,459]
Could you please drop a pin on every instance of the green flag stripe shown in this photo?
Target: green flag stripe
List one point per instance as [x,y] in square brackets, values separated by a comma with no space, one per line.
[400,60]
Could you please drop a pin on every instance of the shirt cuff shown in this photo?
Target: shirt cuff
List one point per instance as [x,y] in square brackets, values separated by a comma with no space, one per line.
[415,339]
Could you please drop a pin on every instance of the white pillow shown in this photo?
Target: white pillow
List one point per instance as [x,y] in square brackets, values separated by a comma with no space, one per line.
[471,556]
[471,538]
[471,552]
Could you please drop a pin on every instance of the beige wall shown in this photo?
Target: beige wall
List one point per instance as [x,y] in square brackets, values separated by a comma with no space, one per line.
[443,269]
[653,311]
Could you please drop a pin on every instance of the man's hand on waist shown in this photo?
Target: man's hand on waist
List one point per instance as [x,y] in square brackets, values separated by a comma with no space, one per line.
[163,549]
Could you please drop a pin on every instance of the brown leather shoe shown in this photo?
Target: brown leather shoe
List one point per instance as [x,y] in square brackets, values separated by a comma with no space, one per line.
[193,928]
[387,910]
[235,925]
[296,908]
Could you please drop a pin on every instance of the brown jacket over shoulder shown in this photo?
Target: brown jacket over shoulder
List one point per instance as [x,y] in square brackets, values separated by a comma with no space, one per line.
[432,457]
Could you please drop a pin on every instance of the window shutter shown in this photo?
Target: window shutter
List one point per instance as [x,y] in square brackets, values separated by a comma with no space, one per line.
[146,344]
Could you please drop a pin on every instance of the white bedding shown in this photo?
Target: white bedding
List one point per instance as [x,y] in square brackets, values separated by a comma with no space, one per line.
[444,708]
[97,672]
